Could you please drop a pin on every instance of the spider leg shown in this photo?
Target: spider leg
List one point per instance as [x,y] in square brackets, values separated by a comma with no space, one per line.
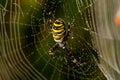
[67,34]
[51,51]
[74,60]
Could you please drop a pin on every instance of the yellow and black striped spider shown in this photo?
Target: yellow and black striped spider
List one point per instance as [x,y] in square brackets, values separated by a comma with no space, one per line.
[60,32]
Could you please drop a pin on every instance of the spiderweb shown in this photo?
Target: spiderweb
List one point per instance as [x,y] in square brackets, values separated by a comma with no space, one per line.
[107,38]
[25,40]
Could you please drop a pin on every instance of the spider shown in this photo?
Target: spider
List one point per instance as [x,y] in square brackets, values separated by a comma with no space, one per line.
[60,32]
